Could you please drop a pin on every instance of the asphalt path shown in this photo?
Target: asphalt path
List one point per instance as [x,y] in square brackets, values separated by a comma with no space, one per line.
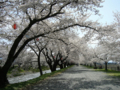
[79,78]
[27,77]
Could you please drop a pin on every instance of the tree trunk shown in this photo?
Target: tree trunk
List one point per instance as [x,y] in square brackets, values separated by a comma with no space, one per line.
[95,67]
[3,78]
[39,65]
[61,66]
[105,66]
[3,72]
[13,66]
[54,66]
[11,56]
[90,65]
[118,68]
[65,65]
[50,66]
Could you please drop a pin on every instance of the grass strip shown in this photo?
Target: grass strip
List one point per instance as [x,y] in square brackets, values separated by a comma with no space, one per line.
[26,84]
[109,72]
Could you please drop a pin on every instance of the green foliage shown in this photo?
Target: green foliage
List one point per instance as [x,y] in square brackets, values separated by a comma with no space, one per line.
[34,70]
[45,68]
[17,74]
[23,85]
[20,70]
[10,70]
[37,70]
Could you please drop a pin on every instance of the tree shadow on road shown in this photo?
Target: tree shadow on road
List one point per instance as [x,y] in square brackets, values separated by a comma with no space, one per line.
[77,84]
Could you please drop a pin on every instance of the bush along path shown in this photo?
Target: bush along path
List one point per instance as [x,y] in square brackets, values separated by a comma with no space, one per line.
[28,84]
[79,78]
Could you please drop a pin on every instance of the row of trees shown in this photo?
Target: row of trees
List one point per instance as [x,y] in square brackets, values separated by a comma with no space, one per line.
[108,45]
[47,27]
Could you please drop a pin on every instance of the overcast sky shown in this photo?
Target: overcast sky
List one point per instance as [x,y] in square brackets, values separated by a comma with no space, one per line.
[109,6]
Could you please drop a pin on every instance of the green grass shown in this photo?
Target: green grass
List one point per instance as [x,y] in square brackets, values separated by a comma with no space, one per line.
[88,67]
[37,70]
[45,68]
[24,85]
[109,72]
[10,70]
[21,70]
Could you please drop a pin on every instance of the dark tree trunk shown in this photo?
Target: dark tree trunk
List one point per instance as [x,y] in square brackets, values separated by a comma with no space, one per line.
[11,56]
[61,66]
[3,78]
[39,65]
[106,66]
[3,72]
[95,67]
[65,65]
[90,65]
[54,66]
[118,68]
[50,66]
[13,66]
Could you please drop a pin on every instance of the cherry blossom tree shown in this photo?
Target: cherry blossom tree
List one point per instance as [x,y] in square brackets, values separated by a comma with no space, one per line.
[56,54]
[37,48]
[27,15]
[109,43]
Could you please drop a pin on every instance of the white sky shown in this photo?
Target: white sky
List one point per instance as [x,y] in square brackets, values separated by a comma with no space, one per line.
[109,6]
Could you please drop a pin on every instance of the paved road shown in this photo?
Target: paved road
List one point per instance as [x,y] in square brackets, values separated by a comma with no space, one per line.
[27,77]
[79,78]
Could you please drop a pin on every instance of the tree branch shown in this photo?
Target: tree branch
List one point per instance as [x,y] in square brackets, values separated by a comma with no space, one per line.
[40,35]
[28,16]
[33,49]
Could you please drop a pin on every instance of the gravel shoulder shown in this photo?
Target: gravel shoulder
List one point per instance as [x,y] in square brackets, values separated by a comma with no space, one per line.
[79,78]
